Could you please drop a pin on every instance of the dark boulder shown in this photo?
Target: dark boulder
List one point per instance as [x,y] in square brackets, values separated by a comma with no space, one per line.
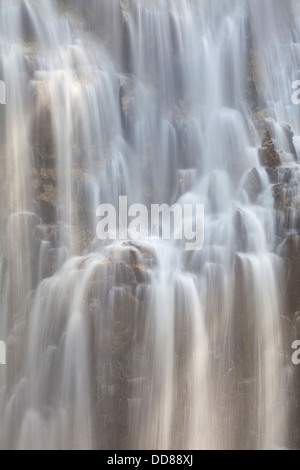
[253,185]
[27,25]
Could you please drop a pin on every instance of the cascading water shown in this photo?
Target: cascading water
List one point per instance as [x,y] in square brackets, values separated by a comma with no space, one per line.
[143,345]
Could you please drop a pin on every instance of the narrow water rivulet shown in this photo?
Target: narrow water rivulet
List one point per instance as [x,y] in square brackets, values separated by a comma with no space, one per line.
[143,344]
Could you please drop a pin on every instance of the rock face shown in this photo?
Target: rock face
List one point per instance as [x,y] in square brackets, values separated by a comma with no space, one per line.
[44,173]
[27,26]
[289,138]
[269,157]
[122,282]
[118,288]
[291,251]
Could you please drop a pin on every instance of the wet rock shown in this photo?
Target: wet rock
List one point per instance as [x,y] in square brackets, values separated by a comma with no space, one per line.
[41,127]
[45,185]
[283,198]
[241,236]
[116,338]
[251,84]
[283,175]
[44,177]
[244,326]
[52,234]
[254,94]
[139,254]
[268,155]
[287,336]
[47,212]
[278,195]
[122,273]
[286,201]
[27,25]
[127,267]
[131,271]
[253,185]
[290,249]
[290,142]
[127,96]
[261,126]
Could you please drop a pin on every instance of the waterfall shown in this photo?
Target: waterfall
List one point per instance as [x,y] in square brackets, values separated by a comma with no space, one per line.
[131,344]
